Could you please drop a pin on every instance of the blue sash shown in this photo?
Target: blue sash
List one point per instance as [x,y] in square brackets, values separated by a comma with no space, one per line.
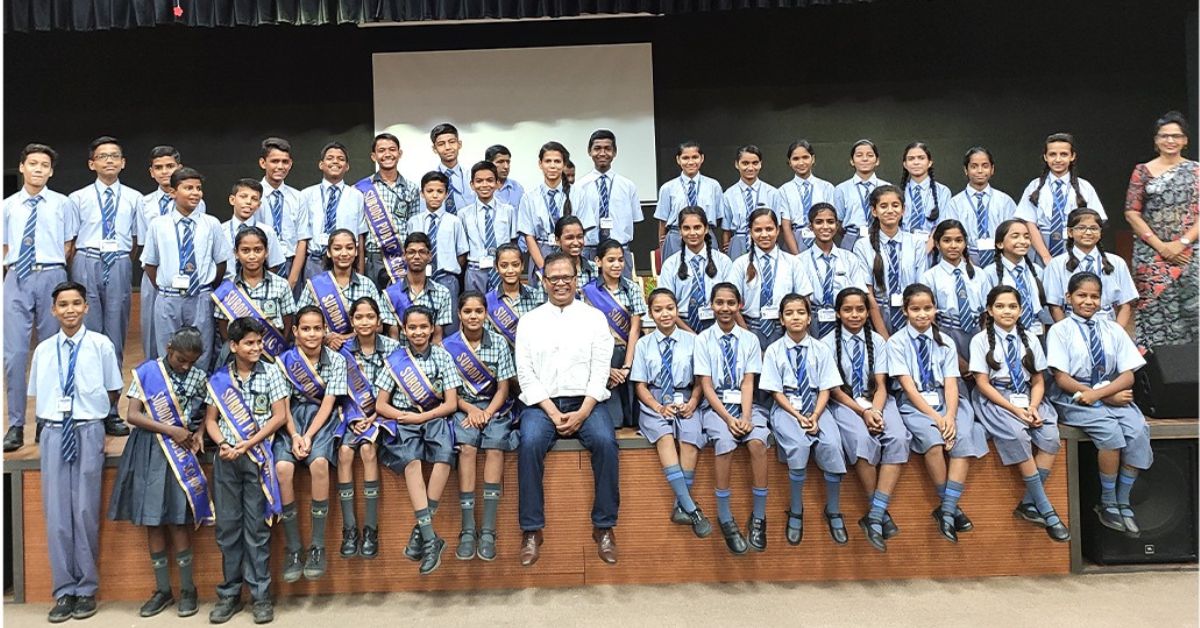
[411,380]
[164,408]
[397,293]
[302,375]
[475,373]
[381,225]
[331,302]
[238,415]
[234,303]
[360,400]
[503,317]
[619,319]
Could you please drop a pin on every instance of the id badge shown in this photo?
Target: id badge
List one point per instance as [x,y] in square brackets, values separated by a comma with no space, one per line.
[807,233]
[606,223]
[551,240]
[897,299]
[985,244]
[826,315]
[486,263]
[731,397]
[706,313]
[863,403]
[110,246]
[797,404]
[921,232]
[64,405]
[678,399]
[932,398]
[768,311]
[321,239]
[180,282]
[1037,328]
[1019,400]
[261,406]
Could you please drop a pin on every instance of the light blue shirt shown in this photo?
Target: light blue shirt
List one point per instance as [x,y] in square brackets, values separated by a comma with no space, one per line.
[850,201]
[292,218]
[940,278]
[152,207]
[1115,289]
[1067,348]
[735,215]
[474,222]
[708,359]
[788,278]
[97,372]
[911,252]
[647,360]
[879,348]
[162,247]
[848,270]
[792,196]
[902,356]
[348,215]
[979,352]
[230,228]
[623,205]
[922,189]
[511,192]
[56,225]
[668,276]
[779,367]
[672,198]
[533,216]
[1044,209]
[997,205]
[451,238]
[460,187]
[86,202]
[1032,282]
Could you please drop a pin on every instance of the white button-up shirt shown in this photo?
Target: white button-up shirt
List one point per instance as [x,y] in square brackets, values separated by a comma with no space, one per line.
[563,352]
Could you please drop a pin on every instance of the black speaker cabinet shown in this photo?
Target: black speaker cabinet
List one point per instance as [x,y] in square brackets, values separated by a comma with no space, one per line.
[1167,386]
[1164,499]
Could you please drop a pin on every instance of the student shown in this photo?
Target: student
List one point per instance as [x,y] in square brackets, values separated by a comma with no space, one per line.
[255,293]
[610,197]
[569,172]
[511,299]
[366,354]
[924,368]
[1047,199]
[980,207]
[669,404]
[247,404]
[245,198]
[928,200]
[542,207]
[164,160]
[1085,254]
[508,189]
[743,197]
[484,420]
[622,303]
[765,276]
[326,207]
[489,223]
[280,206]
[690,189]
[333,290]
[73,402]
[418,390]
[1009,399]
[447,238]
[802,192]
[957,287]
[397,199]
[185,256]
[727,357]
[160,484]
[317,376]
[447,146]
[852,197]
[799,372]
[691,273]
[39,227]
[827,269]
[895,259]
[866,415]
[1093,361]
[1014,267]
[417,289]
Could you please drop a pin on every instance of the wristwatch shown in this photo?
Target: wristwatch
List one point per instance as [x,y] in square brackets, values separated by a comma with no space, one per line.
[1185,241]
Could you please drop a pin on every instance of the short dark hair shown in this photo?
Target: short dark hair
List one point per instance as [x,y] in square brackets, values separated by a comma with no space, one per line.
[484,165]
[1171,117]
[100,141]
[308,309]
[558,256]
[239,328]
[274,143]
[423,310]
[417,237]
[186,339]
[247,183]
[165,150]
[494,150]
[34,148]
[332,145]
[68,286]
[443,129]
[384,136]
[184,174]
[602,134]
[435,175]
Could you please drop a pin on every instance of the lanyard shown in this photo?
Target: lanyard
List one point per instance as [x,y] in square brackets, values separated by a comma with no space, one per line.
[62,375]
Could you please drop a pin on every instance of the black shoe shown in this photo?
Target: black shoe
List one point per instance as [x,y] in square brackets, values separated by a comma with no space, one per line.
[85,606]
[946,525]
[961,522]
[466,545]
[1132,529]
[37,433]
[487,545]
[157,603]
[431,556]
[413,549]
[1029,513]
[1057,531]
[794,534]
[1110,516]
[349,543]
[679,516]
[837,532]
[733,537]
[314,567]
[225,609]
[876,539]
[264,612]
[14,438]
[187,604]
[370,543]
[701,526]
[114,426]
[64,607]
[890,529]
[757,538]
[292,567]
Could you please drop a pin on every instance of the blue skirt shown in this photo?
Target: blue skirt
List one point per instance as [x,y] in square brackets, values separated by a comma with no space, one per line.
[146,492]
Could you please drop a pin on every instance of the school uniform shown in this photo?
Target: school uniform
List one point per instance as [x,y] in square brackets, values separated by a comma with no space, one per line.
[431,441]
[852,198]
[401,200]
[324,208]
[280,208]
[449,240]
[528,298]
[891,445]
[905,357]
[761,297]
[400,296]
[739,201]
[629,297]
[510,192]
[980,212]
[1116,288]
[920,199]
[1026,279]
[36,230]
[186,250]
[459,194]
[680,192]
[72,450]
[358,287]
[692,293]
[106,217]
[1013,438]
[827,275]
[272,296]
[540,208]
[726,358]
[665,364]
[784,364]
[330,366]
[500,432]
[797,197]
[1055,201]
[230,228]
[613,200]
[487,226]
[904,260]
[1071,349]
[155,204]
[370,365]
[959,298]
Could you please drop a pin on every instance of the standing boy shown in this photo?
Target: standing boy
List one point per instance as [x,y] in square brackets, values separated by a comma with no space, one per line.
[447,239]
[447,146]
[281,204]
[399,198]
[324,208]
[508,190]
[246,198]
[489,223]
[611,197]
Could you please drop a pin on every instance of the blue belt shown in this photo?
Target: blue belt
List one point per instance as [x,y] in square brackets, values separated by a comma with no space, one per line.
[173,292]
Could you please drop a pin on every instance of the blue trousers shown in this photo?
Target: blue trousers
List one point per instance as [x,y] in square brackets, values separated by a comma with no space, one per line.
[73,507]
[108,304]
[27,306]
[538,436]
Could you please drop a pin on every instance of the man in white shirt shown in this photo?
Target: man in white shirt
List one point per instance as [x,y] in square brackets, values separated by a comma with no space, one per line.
[563,354]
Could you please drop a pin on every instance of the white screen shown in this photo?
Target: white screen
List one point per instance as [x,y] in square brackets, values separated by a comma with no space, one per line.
[522,98]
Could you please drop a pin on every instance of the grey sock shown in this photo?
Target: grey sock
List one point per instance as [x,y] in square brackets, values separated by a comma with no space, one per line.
[162,572]
[346,497]
[319,512]
[184,561]
[467,502]
[371,496]
[491,501]
[291,528]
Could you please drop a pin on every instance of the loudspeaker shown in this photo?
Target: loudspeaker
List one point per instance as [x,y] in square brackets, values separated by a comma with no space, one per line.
[1164,499]
[1166,387]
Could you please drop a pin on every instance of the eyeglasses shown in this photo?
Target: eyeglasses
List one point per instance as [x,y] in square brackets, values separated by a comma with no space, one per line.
[1086,229]
[559,280]
[107,157]
[1178,137]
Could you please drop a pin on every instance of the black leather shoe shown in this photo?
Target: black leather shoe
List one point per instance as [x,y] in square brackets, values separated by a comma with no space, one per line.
[945,525]
[114,426]
[293,568]
[314,567]
[794,533]
[157,603]
[1029,513]
[431,556]
[837,527]
[413,549]
[733,537]
[961,522]
[187,604]
[757,538]
[225,609]
[680,517]
[264,612]
[1057,531]
[85,606]
[876,539]
[370,543]
[1132,529]
[1110,516]
[349,543]
[701,526]
[487,545]
[14,438]
[63,608]
[466,545]
[890,529]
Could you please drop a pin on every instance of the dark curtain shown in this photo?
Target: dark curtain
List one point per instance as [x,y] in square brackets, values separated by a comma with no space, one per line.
[92,15]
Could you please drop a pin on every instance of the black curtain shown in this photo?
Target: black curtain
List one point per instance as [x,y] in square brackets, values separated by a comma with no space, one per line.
[92,15]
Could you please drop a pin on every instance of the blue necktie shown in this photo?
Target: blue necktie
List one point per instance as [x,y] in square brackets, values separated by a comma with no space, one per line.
[767,292]
[70,448]
[856,365]
[432,232]
[604,198]
[916,218]
[108,216]
[187,254]
[895,314]
[1096,349]
[729,353]
[697,295]
[331,205]
[693,200]
[277,212]
[666,379]
[964,301]
[552,205]
[28,254]
[981,221]
[1012,359]
[865,193]
[803,386]
[489,242]
[1030,303]
[164,205]
[827,280]
[926,362]
[1058,220]
[805,200]
[748,197]
[450,207]
[1090,264]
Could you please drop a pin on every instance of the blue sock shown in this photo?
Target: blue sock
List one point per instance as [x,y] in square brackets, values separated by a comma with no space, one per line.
[760,502]
[833,493]
[879,504]
[689,478]
[1044,474]
[1125,480]
[675,479]
[796,479]
[1108,489]
[1035,488]
[941,490]
[724,513]
[950,497]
